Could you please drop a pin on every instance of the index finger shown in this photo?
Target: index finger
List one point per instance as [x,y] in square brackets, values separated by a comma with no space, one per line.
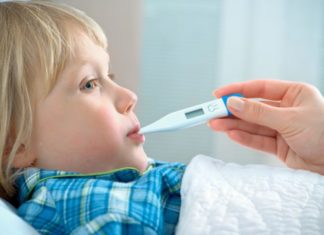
[267,89]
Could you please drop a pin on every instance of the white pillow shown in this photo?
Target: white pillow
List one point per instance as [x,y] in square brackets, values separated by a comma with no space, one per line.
[227,198]
[11,223]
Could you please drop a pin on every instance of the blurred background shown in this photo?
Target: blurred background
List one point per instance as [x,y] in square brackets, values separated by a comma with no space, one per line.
[174,53]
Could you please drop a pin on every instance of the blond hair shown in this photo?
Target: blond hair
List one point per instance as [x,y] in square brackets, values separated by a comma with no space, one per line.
[37,40]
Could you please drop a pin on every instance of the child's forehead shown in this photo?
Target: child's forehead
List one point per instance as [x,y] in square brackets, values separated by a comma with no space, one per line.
[86,47]
[89,57]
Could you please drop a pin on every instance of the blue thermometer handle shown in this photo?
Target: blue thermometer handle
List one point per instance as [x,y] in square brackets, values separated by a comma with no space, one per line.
[191,116]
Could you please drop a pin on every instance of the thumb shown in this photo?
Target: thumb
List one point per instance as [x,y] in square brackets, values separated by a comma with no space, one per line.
[256,112]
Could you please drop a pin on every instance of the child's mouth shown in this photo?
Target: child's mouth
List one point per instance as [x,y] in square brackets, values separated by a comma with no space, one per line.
[135,136]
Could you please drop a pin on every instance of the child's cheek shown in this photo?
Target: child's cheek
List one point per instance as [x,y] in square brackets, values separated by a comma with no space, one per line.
[105,117]
[108,123]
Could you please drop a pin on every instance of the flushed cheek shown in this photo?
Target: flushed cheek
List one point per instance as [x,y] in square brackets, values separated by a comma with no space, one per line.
[99,143]
[85,134]
[93,146]
[105,122]
[101,126]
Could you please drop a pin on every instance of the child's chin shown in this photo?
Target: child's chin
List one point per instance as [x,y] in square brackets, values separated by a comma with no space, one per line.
[142,162]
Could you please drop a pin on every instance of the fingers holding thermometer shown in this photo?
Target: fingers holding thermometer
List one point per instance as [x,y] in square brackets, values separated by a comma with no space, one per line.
[283,127]
[243,131]
[258,123]
[282,97]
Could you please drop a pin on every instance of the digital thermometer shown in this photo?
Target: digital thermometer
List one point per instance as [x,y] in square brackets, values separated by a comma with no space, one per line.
[191,116]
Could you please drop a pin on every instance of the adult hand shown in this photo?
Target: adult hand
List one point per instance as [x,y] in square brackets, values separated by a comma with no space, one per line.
[291,127]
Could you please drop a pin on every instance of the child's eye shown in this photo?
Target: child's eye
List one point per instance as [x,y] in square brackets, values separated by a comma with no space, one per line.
[90,85]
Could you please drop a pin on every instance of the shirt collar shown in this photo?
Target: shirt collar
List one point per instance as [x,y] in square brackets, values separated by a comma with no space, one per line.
[30,177]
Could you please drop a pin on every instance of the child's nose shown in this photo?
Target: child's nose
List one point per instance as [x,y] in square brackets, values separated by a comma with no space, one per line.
[126,100]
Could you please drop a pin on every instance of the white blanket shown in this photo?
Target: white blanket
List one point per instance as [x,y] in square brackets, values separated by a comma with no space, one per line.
[227,198]
[11,223]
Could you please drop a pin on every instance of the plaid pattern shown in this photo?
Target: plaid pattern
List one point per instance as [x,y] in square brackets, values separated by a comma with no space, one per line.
[122,201]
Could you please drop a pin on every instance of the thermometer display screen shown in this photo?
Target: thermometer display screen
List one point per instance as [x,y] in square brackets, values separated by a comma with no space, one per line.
[195,113]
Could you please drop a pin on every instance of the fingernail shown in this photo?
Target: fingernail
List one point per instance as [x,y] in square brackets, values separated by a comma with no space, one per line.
[236,103]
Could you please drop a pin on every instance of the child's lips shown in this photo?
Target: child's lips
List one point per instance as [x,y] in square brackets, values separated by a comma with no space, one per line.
[134,135]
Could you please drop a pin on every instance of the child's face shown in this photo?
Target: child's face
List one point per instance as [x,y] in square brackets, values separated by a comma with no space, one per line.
[86,123]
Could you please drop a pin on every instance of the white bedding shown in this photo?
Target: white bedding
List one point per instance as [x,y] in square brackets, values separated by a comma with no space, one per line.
[11,224]
[227,198]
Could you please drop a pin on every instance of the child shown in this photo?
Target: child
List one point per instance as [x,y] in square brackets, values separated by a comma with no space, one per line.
[69,138]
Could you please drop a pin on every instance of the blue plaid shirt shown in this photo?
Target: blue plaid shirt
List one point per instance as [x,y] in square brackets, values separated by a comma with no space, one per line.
[122,201]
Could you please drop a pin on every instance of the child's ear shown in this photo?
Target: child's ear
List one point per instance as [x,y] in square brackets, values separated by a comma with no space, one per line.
[22,158]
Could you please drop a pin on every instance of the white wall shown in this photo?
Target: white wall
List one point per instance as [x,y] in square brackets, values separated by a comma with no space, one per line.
[281,39]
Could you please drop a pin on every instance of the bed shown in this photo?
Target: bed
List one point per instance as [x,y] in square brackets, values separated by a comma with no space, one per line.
[227,198]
